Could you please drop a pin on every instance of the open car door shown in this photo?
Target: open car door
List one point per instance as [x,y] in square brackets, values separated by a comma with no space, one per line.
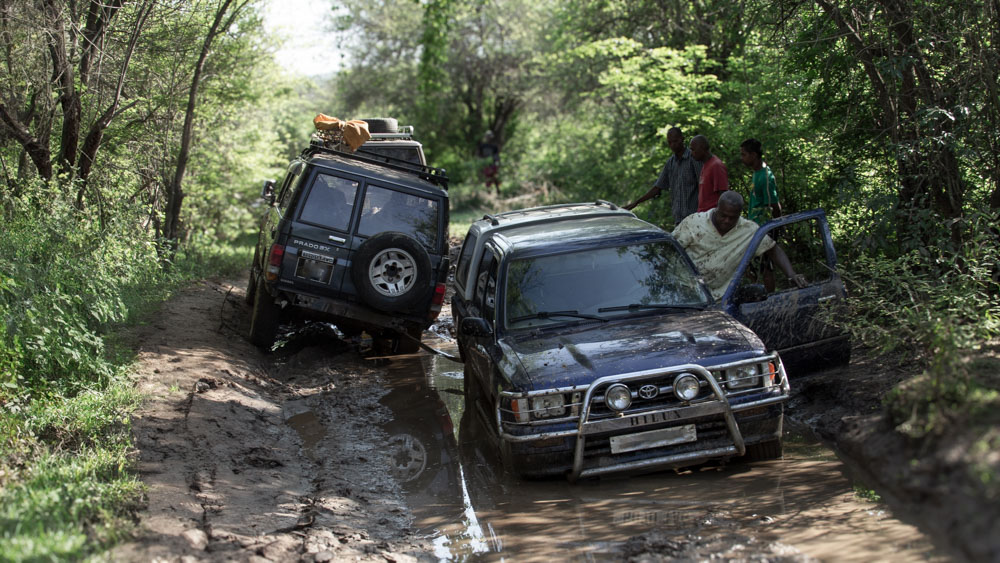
[787,318]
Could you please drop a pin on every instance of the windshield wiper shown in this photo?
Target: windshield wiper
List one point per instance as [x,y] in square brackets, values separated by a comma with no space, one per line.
[550,314]
[639,306]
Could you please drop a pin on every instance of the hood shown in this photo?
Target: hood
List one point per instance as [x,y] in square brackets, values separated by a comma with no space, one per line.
[582,354]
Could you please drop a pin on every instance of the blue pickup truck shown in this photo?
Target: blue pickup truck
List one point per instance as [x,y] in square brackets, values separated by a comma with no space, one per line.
[592,346]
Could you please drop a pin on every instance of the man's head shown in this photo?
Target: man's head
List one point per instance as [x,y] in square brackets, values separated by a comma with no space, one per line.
[675,140]
[751,152]
[727,213]
[699,148]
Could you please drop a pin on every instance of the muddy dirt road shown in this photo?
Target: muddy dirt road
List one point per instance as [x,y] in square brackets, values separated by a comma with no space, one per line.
[315,453]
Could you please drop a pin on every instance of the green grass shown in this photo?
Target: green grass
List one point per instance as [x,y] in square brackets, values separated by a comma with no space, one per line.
[67,485]
[70,292]
[866,494]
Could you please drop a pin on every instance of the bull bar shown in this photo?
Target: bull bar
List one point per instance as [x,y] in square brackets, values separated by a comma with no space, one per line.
[720,405]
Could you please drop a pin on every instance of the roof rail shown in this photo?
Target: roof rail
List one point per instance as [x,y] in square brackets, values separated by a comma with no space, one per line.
[436,176]
[606,202]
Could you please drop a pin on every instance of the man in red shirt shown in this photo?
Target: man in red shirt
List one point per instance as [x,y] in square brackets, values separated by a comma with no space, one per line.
[714,177]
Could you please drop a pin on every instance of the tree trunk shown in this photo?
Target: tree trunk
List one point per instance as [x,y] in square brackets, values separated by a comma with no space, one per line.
[175,194]
[928,168]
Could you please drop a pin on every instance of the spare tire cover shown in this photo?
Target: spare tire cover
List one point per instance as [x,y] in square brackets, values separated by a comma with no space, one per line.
[392,272]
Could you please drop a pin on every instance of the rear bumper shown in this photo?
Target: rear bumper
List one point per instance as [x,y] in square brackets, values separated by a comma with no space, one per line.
[341,310]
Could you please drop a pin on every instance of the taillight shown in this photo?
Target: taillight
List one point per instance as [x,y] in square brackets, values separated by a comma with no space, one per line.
[274,261]
[437,301]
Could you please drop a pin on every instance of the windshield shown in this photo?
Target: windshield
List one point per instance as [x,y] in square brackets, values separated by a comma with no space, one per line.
[600,283]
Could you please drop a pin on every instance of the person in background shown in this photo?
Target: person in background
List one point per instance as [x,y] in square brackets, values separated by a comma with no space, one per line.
[490,153]
[717,239]
[714,177]
[764,204]
[679,176]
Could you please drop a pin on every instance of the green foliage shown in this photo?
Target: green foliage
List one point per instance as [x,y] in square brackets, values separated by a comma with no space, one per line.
[936,305]
[927,299]
[867,494]
[67,285]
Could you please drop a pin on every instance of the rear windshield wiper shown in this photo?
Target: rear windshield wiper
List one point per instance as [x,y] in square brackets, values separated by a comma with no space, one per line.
[639,306]
[550,314]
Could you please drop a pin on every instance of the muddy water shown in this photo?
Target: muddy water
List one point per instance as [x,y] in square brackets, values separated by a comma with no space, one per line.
[803,507]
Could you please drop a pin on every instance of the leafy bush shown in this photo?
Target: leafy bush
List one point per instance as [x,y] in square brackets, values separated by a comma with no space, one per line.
[67,284]
[935,304]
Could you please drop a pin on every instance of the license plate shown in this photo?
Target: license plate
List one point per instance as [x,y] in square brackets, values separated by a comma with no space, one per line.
[653,439]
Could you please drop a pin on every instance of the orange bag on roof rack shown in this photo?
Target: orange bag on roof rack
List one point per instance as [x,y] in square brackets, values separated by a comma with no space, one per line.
[333,131]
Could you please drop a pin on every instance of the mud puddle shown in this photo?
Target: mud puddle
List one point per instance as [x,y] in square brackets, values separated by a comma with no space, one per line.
[801,508]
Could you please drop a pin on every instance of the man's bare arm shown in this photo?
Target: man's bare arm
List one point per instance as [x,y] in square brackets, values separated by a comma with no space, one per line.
[778,256]
[653,192]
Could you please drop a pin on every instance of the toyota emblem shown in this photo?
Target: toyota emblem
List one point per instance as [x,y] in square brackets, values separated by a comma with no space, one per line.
[649,391]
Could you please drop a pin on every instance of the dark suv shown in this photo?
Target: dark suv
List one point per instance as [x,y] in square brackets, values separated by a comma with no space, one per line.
[356,239]
[592,346]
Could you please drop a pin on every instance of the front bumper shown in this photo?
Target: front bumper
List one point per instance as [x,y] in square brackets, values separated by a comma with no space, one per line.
[717,426]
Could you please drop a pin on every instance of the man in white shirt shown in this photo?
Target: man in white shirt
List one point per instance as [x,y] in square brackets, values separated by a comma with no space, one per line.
[717,239]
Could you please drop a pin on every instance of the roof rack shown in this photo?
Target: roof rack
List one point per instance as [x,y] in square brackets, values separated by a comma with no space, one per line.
[436,176]
[391,136]
[494,218]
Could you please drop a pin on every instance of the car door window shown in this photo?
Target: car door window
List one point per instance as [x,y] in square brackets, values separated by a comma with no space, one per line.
[788,318]
[330,201]
[465,260]
[288,186]
[486,285]
[803,243]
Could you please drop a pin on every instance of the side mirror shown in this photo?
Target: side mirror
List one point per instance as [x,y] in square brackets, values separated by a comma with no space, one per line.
[751,293]
[475,326]
[267,192]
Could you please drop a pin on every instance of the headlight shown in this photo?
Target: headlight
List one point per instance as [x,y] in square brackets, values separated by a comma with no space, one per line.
[743,376]
[618,397]
[686,387]
[548,405]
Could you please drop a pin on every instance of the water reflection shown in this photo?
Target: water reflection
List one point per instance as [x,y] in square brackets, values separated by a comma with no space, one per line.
[799,508]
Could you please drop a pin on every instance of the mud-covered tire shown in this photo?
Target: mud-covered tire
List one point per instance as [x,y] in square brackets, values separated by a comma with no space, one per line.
[392,343]
[252,282]
[410,345]
[764,451]
[264,320]
[382,124]
[472,390]
[392,272]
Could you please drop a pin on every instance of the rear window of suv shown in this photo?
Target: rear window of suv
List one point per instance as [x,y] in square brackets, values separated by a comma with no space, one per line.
[406,154]
[330,202]
[391,210]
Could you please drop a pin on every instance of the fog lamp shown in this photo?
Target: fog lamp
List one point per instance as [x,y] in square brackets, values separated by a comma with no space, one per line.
[686,387]
[618,397]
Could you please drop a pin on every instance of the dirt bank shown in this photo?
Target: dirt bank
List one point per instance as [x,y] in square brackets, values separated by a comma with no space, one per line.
[230,449]
[280,457]
[946,484]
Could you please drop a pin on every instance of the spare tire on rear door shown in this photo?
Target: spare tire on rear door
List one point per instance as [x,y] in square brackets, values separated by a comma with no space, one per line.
[392,272]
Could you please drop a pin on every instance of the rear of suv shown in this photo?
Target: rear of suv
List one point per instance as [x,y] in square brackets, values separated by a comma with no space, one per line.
[355,239]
